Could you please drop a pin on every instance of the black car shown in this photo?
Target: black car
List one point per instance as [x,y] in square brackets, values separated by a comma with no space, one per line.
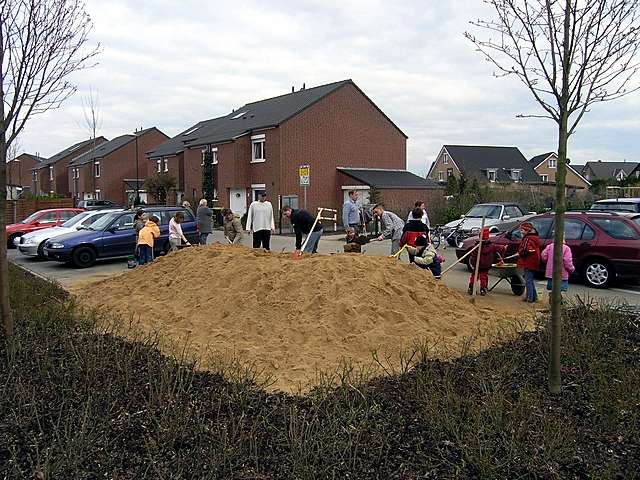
[97,204]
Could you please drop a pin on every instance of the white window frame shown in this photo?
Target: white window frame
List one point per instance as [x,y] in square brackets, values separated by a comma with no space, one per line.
[545,177]
[490,172]
[159,165]
[518,172]
[552,162]
[97,194]
[214,156]
[255,139]
[255,187]
[50,172]
[35,175]
[96,169]
[165,161]
[449,172]
[445,158]
[441,176]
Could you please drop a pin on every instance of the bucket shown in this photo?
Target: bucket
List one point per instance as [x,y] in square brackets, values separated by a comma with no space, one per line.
[132,262]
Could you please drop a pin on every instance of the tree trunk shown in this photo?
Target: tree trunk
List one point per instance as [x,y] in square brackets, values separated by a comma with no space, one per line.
[555,380]
[5,309]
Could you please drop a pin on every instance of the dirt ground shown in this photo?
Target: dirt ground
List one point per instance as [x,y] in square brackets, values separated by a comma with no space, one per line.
[296,318]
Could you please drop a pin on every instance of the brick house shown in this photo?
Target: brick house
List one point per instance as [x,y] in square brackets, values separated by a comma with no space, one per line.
[19,174]
[496,166]
[261,145]
[108,172]
[50,176]
[545,166]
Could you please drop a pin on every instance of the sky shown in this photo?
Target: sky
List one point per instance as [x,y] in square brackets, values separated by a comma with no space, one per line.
[171,64]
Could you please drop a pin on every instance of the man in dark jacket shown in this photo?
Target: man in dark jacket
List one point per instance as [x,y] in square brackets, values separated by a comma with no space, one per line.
[205,221]
[303,222]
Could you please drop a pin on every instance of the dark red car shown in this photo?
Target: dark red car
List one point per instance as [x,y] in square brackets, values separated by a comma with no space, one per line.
[36,221]
[605,246]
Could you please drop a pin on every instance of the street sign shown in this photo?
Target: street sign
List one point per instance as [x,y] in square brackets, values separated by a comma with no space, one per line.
[305,174]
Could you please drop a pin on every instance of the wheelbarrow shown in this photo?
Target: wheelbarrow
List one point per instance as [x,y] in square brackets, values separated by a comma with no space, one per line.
[510,273]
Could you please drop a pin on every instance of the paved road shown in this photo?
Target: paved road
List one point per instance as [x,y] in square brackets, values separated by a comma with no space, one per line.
[457,278]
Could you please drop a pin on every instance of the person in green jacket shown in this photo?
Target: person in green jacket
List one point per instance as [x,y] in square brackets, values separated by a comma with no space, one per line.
[232,227]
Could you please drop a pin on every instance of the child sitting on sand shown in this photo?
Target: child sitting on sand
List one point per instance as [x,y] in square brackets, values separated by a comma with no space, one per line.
[487,257]
[425,256]
[146,238]
[567,267]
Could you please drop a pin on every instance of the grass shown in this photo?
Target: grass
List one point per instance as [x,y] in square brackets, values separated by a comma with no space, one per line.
[78,401]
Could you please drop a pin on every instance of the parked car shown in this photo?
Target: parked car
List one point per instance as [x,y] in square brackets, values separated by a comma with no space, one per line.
[97,204]
[618,205]
[32,244]
[499,217]
[37,221]
[113,235]
[605,245]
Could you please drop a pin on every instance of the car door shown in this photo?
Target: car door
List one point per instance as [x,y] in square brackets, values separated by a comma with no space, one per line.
[119,238]
[581,239]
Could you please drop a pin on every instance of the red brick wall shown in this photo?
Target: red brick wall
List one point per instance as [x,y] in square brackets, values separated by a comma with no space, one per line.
[342,129]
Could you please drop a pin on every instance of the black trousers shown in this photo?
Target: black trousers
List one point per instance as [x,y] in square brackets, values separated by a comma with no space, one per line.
[262,238]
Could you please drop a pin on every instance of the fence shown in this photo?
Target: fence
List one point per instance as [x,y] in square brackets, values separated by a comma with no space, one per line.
[16,210]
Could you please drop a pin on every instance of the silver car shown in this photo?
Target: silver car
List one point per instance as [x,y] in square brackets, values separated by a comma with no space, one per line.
[32,244]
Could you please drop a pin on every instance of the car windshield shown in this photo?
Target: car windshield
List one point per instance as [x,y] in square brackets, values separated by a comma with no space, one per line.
[103,222]
[31,218]
[488,211]
[76,219]
[617,206]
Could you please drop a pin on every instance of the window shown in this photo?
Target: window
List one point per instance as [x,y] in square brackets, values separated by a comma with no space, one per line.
[49,217]
[166,164]
[445,158]
[441,176]
[124,222]
[552,162]
[214,156]
[545,178]
[573,229]
[239,115]
[491,174]
[97,195]
[159,165]
[257,149]
[512,211]
[449,172]
[617,228]
[97,169]
[542,225]
[50,172]
[516,174]
[257,188]
[190,131]
[35,176]
[67,214]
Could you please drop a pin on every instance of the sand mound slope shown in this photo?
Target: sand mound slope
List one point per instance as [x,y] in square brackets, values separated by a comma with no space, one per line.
[291,317]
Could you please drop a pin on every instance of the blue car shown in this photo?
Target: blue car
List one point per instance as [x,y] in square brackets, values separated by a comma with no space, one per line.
[113,235]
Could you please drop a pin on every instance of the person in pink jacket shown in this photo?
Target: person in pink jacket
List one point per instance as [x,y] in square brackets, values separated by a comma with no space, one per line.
[567,266]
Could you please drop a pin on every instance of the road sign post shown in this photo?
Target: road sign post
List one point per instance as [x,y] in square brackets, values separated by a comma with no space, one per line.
[304,172]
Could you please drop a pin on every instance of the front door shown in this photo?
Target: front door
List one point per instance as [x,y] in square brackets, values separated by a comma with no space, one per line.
[238,201]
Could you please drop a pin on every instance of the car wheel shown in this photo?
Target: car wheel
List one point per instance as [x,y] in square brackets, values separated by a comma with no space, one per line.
[83,257]
[41,255]
[470,266]
[10,240]
[597,273]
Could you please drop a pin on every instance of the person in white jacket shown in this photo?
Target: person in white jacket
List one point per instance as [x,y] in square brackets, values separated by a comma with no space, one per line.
[176,237]
[260,221]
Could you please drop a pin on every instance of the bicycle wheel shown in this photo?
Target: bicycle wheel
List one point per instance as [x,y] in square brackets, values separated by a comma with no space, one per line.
[436,238]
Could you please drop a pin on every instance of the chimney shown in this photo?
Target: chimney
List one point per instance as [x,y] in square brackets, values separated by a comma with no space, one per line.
[303,87]
[293,89]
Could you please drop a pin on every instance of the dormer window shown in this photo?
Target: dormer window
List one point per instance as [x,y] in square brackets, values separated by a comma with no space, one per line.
[239,115]
[552,162]
[491,174]
[516,175]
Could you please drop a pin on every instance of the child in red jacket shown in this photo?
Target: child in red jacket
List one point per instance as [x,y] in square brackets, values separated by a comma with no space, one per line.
[529,259]
[487,257]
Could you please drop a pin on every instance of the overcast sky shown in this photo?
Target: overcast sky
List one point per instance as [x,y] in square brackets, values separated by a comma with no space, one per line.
[173,63]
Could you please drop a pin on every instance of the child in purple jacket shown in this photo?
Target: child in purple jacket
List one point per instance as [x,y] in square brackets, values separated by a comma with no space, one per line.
[567,266]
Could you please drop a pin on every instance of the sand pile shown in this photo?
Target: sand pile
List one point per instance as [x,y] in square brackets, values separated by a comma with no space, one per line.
[292,317]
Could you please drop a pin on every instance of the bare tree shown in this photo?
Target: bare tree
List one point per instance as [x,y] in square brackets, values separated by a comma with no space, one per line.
[41,43]
[570,55]
[12,153]
[92,121]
